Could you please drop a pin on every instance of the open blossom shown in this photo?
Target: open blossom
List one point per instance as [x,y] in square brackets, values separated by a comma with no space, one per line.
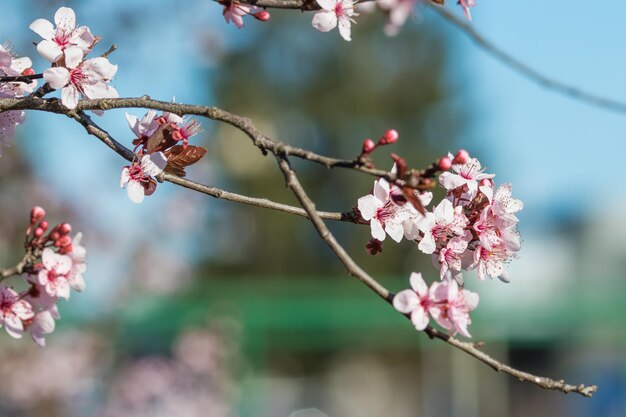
[445,219]
[89,78]
[452,307]
[41,325]
[417,301]
[444,301]
[136,178]
[468,174]
[451,257]
[13,310]
[398,11]
[12,66]
[66,39]
[145,126]
[54,277]
[384,214]
[78,256]
[333,13]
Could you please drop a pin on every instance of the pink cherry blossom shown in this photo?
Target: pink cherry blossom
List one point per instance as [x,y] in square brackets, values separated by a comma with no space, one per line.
[145,126]
[435,225]
[465,5]
[450,257]
[384,215]
[13,310]
[136,178]
[468,174]
[504,205]
[333,13]
[234,12]
[89,78]
[54,277]
[11,66]
[42,324]
[398,11]
[452,307]
[79,266]
[66,39]
[417,301]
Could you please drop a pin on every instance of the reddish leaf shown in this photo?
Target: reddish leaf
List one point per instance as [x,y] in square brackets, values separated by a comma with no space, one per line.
[400,165]
[161,139]
[410,195]
[179,157]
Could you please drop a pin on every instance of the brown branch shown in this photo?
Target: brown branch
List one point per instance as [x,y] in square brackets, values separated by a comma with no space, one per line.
[21,78]
[17,269]
[244,124]
[281,151]
[95,130]
[353,269]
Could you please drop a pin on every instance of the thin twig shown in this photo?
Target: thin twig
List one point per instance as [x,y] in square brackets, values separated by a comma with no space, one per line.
[524,69]
[109,51]
[21,78]
[95,130]
[353,269]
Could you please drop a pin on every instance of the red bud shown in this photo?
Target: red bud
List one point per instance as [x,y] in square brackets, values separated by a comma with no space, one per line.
[263,16]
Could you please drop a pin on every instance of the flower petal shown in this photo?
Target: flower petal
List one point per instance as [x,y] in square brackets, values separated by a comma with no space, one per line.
[43,28]
[406,301]
[325,21]
[49,50]
[65,19]
[57,77]
[135,192]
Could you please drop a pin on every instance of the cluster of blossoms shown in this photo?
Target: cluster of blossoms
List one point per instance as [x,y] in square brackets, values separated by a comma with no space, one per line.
[162,142]
[339,13]
[66,47]
[11,66]
[444,301]
[56,264]
[473,228]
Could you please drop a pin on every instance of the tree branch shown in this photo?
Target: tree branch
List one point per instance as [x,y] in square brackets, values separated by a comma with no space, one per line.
[353,269]
[17,269]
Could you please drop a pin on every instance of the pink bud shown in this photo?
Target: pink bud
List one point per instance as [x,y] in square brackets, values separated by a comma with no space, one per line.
[44,225]
[36,214]
[263,16]
[63,241]
[55,235]
[462,156]
[39,232]
[64,228]
[368,146]
[445,163]
[28,71]
[390,136]
[66,249]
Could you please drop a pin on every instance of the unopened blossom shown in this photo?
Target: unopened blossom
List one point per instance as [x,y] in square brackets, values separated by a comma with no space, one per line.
[55,274]
[468,174]
[452,307]
[136,178]
[384,215]
[13,310]
[465,5]
[335,13]
[66,39]
[234,12]
[89,78]
[417,301]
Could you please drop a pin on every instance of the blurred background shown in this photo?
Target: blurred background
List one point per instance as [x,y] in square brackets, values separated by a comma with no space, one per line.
[199,307]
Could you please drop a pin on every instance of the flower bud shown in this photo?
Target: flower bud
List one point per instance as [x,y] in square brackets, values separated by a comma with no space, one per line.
[64,228]
[368,146]
[444,163]
[390,136]
[28,71]
[39,232]
[462,156]
[55,235]
[44,225]
[63,241]
[36,214]
[263,16]
[66,249]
